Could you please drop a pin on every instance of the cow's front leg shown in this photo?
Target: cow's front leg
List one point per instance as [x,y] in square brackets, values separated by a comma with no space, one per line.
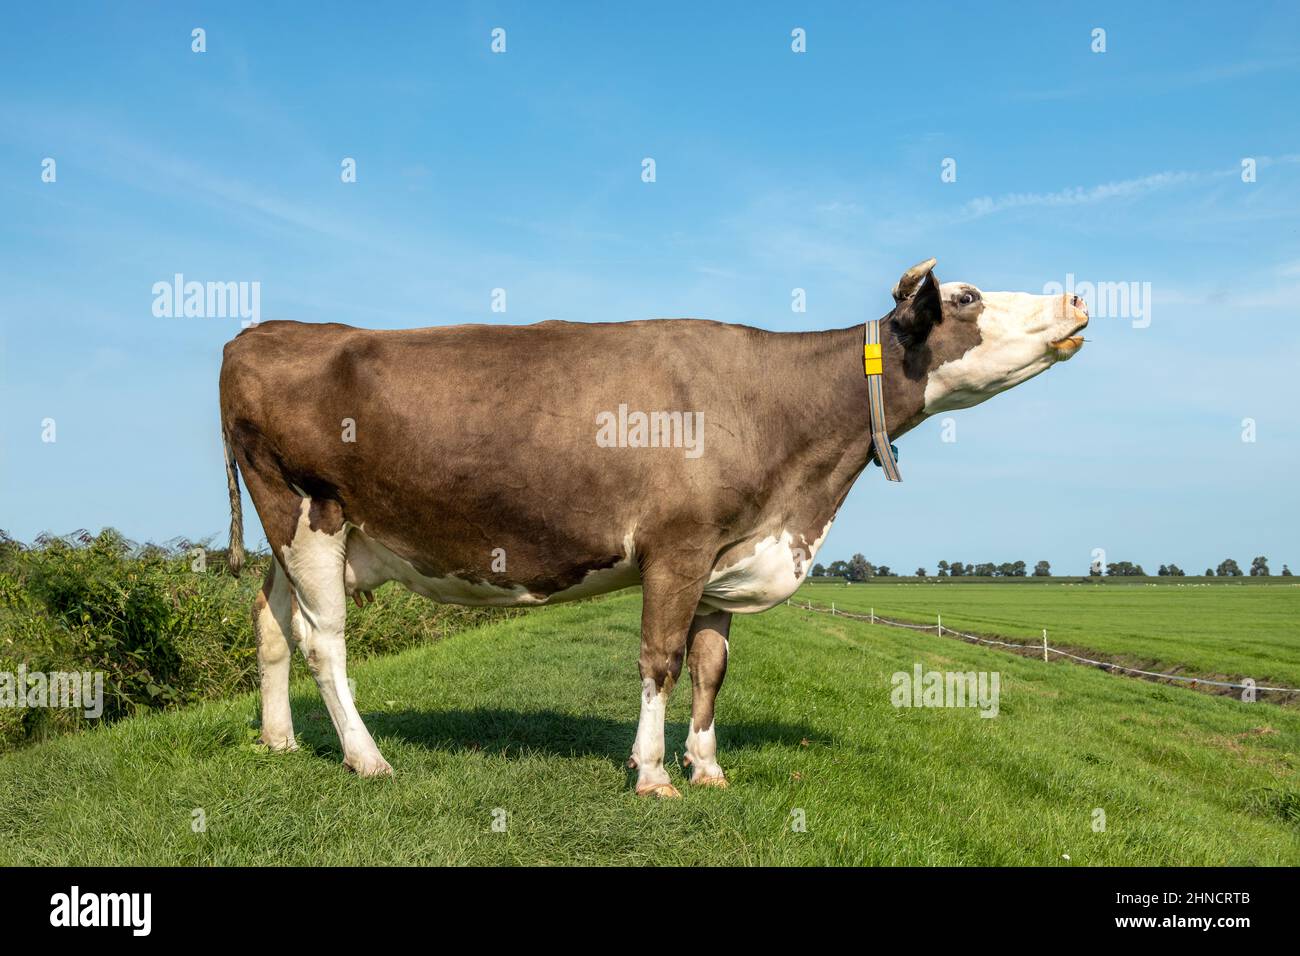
[706,656]
[668,604]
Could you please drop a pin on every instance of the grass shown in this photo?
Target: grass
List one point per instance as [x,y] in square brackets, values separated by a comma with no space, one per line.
[535,716]
[1205,631]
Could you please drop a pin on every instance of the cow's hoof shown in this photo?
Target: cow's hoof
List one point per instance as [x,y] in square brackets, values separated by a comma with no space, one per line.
[704,780]
[278,743]
[663,790]
[372,766]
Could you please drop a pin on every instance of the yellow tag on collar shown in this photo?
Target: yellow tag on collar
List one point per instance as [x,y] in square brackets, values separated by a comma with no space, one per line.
[871,359]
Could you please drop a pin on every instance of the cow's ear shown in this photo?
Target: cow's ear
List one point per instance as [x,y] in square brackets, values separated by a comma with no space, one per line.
[921,311]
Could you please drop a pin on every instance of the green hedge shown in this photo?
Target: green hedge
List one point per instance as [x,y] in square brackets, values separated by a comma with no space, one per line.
[165,629]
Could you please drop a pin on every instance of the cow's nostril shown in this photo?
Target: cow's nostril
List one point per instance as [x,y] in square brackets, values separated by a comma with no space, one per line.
[1076,301]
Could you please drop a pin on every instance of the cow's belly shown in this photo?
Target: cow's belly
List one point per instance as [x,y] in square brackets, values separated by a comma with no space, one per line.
[370,564]
[757,575]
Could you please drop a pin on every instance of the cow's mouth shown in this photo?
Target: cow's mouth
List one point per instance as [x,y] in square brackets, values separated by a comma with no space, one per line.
[1067,346]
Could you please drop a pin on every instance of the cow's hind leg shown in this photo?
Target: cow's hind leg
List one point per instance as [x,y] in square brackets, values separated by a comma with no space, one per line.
[706,656]
[314,560]
[273,625]
[668,603]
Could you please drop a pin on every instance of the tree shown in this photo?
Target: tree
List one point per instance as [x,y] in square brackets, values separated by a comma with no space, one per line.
[1162,571]
[920,572]
[943,569]
[1228,569]
[884,572]
[1017,569]
[1286,572]
[1095,570]
[958,569]
[1259,568]
[839,569]
[1209,573]
[859,569]
[819,571]
[1124,569]
[1176,571]
[984,570]
[1042,570]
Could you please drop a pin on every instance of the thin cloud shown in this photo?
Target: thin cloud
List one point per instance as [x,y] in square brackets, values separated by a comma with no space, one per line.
[1104,192]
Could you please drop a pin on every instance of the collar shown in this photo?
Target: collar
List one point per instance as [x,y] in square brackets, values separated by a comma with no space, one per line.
[882,452]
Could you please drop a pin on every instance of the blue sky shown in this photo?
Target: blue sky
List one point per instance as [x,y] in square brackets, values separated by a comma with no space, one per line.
[775,170]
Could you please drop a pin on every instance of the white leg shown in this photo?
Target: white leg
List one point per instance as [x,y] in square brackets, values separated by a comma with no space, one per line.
[702,756]
[648,748]
[314,561]
[273,625]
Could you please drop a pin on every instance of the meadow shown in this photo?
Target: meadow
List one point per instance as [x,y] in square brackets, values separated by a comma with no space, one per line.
[509,741]
[1204,629]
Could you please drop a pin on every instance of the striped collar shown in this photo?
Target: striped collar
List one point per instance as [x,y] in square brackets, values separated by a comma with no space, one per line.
[884,453]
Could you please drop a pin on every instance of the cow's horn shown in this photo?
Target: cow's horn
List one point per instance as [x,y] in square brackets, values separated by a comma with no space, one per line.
[912,279]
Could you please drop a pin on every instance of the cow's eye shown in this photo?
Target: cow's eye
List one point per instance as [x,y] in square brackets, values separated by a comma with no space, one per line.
[968,297]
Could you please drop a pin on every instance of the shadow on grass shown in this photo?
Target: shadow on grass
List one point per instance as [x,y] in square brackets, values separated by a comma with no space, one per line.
[512,733]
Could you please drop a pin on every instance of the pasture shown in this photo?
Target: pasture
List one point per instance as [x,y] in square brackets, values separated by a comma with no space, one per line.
[526,723]
[1212,630]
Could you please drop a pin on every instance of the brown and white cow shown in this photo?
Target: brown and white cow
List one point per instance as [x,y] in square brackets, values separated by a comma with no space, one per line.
[526,465]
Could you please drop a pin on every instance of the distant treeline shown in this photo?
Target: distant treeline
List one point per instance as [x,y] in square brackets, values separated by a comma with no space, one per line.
[858,568]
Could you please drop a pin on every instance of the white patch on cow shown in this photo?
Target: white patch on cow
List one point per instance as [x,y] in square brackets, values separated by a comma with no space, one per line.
[370,564]
[702,749]
[315,562]
[765,578]
[1016,332]
[648,749]
[273,625]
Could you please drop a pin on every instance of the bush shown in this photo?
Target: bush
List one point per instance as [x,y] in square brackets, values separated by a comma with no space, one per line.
[164,630]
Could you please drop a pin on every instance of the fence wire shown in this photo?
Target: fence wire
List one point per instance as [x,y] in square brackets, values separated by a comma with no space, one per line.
[1040,647]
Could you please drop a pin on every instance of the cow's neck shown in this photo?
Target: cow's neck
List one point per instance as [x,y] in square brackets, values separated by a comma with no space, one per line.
[835,425]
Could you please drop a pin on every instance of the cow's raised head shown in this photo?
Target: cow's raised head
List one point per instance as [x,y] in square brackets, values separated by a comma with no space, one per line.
[968,344]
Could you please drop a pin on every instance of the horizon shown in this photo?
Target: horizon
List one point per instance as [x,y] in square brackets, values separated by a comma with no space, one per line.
[1120,174]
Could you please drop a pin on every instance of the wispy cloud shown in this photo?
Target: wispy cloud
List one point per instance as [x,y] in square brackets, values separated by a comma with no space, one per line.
[1103,192]
[1164,83]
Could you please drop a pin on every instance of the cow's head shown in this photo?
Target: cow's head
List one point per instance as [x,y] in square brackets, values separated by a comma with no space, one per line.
[968,344]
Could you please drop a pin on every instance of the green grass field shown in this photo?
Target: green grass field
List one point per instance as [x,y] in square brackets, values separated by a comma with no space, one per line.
[535,716]
[1210,630]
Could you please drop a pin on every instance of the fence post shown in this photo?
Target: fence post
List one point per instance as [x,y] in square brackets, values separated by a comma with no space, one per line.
[832,608]
[873,615]
[941,625]
[1044,644]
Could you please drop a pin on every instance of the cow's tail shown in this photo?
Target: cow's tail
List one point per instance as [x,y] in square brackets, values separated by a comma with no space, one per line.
[235,553]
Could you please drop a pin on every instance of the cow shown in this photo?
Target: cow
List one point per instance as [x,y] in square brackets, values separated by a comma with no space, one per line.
[529,465]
